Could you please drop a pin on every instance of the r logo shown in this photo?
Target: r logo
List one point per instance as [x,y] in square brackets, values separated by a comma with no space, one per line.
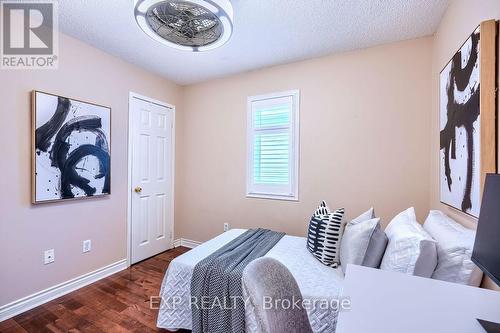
[27,28]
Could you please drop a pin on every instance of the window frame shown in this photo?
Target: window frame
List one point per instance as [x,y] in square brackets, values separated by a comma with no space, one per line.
[271,191]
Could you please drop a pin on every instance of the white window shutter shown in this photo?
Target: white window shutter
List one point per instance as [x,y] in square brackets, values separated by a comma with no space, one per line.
[272,161]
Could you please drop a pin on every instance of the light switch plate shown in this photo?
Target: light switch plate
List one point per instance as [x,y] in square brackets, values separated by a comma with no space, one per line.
[226,227]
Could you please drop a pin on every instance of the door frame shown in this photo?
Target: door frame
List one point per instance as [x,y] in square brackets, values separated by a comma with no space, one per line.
[133,95]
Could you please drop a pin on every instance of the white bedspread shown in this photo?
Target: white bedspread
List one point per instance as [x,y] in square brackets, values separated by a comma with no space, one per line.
[315,280]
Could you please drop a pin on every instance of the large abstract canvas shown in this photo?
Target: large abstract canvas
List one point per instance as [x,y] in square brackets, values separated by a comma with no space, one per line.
[460,135]
[71,142]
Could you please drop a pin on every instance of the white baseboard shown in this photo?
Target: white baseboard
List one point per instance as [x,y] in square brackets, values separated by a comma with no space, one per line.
[29,302]
[189,243]
[186,243]
[177,242]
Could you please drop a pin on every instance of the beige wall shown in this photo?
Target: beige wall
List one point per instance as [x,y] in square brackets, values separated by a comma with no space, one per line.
[26,230]
[461,18]
[364,140]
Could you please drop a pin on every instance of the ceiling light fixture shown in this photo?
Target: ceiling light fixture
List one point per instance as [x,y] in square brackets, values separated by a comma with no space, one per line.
[189,25]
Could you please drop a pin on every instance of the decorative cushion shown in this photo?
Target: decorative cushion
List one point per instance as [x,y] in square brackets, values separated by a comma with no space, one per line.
[325,233]
[363,242]
[454,250]
[368,215]
[411,250]
[376,248]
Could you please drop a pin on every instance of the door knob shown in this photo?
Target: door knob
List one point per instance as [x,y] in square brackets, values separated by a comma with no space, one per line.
[138,189]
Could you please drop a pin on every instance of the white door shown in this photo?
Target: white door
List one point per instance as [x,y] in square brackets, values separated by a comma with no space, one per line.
[152,190]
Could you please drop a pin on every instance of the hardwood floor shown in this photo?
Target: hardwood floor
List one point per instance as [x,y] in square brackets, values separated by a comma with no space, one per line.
[118,303]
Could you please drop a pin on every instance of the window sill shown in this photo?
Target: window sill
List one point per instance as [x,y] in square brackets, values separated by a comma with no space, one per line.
[272,197]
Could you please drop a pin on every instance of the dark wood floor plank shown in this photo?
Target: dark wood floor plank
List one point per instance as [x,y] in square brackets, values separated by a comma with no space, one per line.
[11,326]
[116,304]
[99,320]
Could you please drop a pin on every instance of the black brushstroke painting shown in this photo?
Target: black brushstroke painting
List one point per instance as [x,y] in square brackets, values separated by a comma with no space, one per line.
[45,132]
[72,148]
[69,176]
[462,111]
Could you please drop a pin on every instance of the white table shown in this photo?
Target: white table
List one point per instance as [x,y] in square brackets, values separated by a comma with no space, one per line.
[387,302]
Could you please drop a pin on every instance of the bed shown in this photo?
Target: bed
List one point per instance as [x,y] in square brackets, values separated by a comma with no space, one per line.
[315,280]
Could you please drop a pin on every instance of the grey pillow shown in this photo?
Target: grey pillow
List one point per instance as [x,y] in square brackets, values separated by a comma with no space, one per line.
[368,215]
[363,242]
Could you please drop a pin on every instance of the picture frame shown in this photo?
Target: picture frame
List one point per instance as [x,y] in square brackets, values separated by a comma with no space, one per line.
[71,148]
[468,120]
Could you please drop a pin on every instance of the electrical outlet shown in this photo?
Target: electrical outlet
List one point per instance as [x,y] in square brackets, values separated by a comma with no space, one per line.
[226,227]
[49,256]
[87,246]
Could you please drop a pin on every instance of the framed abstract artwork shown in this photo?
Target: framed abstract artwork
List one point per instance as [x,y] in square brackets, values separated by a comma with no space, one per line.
[467,122]
[71,148]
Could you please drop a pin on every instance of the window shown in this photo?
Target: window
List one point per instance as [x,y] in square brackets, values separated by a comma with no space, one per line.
[273,146]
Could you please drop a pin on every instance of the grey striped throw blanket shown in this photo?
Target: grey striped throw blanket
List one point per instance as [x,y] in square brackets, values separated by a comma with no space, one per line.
[217,303]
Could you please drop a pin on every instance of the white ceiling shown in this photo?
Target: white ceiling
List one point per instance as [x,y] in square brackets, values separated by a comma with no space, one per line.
[266,32]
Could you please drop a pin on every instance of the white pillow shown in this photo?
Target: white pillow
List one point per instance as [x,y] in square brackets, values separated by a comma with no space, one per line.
[454,250]
[411,250]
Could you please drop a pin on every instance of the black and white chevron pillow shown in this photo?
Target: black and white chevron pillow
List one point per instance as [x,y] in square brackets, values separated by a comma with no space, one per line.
[325,233]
